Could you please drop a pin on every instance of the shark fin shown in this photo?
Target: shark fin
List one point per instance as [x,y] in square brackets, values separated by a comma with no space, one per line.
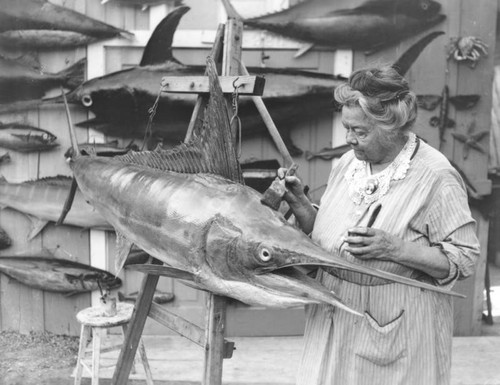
[123,246]
[159,47]
[211,150]
[162,270]
[37,226]
[303,49]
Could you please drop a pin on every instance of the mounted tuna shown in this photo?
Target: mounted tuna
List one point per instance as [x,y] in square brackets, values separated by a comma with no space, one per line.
[39,24]
[43,200]
[188,208]
[22,82]
[370,26]
[24,137]
[57,275]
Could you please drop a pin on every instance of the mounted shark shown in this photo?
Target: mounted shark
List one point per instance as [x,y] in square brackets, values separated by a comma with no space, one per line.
[188,208]
[369,26]
[39,24]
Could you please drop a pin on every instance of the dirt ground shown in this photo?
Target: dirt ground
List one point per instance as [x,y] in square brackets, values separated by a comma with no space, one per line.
[37,358]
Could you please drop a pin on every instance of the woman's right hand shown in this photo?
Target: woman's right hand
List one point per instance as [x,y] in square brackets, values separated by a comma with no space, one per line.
[295,189]
[301,206]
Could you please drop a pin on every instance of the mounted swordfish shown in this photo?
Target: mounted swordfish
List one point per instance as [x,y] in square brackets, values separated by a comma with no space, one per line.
[188,208]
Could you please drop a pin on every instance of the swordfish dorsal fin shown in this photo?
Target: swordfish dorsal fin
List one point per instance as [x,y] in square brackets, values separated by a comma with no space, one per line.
[159,47]
[211,150]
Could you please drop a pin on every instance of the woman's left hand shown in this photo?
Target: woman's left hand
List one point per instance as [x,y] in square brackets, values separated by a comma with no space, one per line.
[370,243]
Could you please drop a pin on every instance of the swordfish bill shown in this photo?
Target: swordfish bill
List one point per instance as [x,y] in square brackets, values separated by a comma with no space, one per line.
[188,208]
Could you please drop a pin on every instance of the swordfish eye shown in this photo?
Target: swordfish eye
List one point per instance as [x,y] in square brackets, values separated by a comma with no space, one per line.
[264,254]
[87,100]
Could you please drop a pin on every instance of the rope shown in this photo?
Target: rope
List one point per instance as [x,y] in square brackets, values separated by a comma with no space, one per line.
[152,112]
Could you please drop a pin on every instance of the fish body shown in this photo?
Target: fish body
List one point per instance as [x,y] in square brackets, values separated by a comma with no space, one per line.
[21,82]
[22,20]
[57,275]
[26,138]
[371,26]
[43,200]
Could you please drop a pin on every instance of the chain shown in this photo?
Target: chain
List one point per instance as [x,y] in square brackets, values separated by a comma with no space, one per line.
[234,104]
[152,112]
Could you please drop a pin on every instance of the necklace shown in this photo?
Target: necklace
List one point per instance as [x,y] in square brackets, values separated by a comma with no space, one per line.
[367,188]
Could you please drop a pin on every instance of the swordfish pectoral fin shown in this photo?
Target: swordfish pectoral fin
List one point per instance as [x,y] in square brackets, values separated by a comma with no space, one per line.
[123,247]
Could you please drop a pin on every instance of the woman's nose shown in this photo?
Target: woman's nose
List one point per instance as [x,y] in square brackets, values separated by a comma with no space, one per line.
[350,138]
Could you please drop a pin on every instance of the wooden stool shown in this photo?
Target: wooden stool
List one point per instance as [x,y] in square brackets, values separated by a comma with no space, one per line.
[93,325]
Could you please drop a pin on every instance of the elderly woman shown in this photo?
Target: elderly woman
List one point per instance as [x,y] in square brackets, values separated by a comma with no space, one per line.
[392,203]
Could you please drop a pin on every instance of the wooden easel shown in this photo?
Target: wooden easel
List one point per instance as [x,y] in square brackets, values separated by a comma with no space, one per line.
[228,44]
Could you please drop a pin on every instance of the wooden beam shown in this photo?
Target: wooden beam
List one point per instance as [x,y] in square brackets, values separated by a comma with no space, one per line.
[178,324]
[247,85]
[185,328]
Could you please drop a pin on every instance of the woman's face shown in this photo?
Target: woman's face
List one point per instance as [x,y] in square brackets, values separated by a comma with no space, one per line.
[369,142]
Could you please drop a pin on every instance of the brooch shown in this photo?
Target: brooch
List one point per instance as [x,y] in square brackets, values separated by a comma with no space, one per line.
[371,186]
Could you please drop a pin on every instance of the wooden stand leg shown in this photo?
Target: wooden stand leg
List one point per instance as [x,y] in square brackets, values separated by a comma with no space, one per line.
[96,354]
[124,333]
[135,328]
[84,341]
[214,353]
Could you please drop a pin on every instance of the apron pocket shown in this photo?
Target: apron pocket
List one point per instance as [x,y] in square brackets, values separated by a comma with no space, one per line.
[381,345]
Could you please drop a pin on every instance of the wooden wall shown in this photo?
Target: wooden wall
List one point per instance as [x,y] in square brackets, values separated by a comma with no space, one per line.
[24,309]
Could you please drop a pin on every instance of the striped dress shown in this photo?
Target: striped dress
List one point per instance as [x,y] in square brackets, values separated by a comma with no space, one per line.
[405,335]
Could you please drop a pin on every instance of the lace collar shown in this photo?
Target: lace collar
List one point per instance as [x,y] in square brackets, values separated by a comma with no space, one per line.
[363,186]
